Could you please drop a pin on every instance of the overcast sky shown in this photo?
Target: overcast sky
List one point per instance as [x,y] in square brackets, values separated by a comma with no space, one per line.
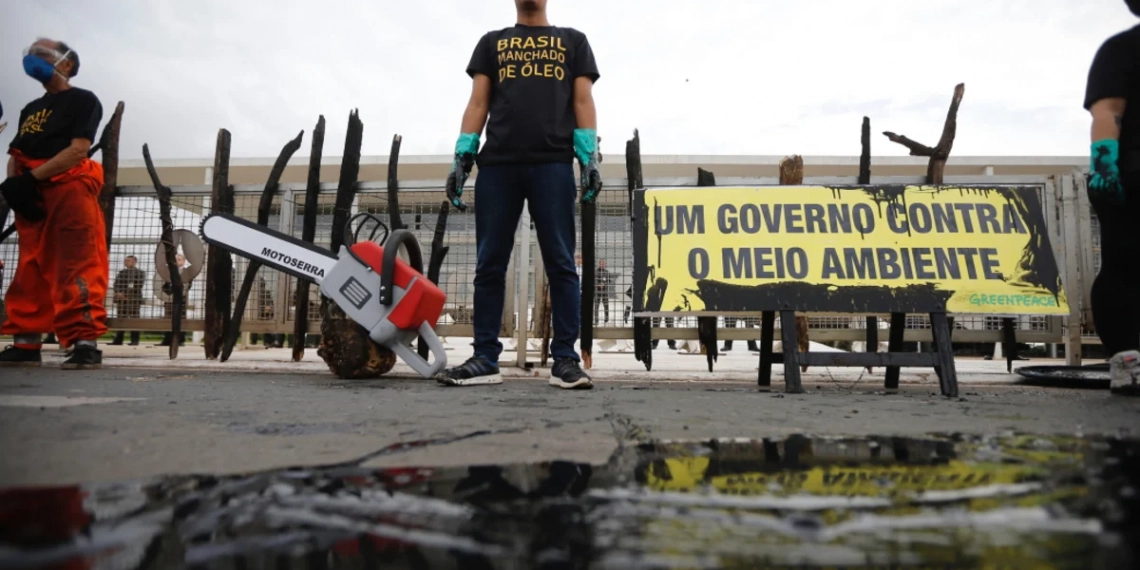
[695,76]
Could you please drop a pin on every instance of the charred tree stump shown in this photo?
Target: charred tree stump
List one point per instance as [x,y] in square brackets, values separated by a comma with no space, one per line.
[346,186]
[792,174]
[941,152]
[865,152]
[935,169]
[865,178]
[308,234]
[109,144]
[176,292]
[435,260]
[263,208]
[642,326]
[345,345]
[219,264]
[394,184]
[706,326]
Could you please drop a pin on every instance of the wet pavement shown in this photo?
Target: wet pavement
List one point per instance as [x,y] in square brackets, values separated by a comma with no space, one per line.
[935,501]
[159,468]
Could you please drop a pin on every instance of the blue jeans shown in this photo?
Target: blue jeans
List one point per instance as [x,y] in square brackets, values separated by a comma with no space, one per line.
[550,191]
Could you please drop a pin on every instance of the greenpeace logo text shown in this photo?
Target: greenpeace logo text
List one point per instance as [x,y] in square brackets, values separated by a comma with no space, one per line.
[300,264]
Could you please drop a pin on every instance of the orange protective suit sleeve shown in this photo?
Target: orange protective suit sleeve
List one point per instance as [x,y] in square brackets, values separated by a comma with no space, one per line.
[61,278]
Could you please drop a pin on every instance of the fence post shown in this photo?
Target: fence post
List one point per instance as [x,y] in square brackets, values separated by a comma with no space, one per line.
[1072,270]
[509,309]
[522,296]
[285,223]
[1051,202]
[1084,235]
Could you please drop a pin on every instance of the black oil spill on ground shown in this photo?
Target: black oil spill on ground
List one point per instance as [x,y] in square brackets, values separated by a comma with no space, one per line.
[1005,501]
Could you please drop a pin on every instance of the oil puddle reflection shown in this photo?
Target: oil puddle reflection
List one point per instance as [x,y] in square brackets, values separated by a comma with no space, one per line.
[942,501]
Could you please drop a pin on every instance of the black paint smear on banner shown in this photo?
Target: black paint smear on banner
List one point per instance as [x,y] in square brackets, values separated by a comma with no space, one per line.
[1033,269]
[799,296]
[891,196]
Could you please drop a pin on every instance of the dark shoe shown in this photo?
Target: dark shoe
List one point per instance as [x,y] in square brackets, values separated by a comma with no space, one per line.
[13,356]
[83,358]
[476,371]
[568,374]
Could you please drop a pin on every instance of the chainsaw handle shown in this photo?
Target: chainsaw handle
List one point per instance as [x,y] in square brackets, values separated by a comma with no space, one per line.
[388,268]
[413,358]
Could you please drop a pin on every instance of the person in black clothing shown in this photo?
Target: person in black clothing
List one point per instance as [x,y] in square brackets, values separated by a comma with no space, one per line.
[128,289]
[603,291]
[1112,96]
[532,90]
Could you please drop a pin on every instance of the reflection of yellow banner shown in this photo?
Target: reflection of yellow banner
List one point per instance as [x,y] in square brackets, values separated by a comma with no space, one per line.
[687,473]
[850,249]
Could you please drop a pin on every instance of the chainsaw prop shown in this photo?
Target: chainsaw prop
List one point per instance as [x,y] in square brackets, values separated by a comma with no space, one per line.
[389,298]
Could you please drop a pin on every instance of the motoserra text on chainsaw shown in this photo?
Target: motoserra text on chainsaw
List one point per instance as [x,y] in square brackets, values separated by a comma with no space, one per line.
[288,260]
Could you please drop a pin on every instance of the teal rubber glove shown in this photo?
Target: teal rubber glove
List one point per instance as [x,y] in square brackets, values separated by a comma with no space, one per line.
[586,149]
[1104,177]
[465,150]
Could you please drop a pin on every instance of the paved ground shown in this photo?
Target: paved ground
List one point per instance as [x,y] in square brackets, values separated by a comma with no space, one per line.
[143,415]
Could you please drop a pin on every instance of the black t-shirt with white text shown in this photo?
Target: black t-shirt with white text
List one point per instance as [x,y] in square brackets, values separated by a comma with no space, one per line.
[532,70]
[48,124]
[1115,72]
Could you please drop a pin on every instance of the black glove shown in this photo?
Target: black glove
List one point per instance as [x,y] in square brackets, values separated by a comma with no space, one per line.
[22,193]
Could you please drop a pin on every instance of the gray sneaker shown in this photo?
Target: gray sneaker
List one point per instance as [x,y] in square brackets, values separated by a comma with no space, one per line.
[476,371]
[1124,367]
[568,374]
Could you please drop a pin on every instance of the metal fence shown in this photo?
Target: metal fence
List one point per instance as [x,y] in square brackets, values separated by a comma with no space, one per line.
[271,306]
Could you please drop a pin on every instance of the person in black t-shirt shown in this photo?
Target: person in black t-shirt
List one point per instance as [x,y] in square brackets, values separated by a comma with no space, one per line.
[532,91]
[61,280]
[1112,96]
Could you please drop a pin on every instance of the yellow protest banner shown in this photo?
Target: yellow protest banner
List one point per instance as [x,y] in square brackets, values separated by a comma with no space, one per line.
[912,249]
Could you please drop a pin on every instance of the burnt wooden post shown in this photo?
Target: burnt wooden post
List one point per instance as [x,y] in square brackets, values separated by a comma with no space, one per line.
[939,325]
[1009,342]
[219,264]
[865,178]
[792,174]
[109,144]
[435,261]
[767,334]
[308,234]
[176,292]
[642,326]
[394,187]
[263,208]
[346,187]
[706,326]
[345,345]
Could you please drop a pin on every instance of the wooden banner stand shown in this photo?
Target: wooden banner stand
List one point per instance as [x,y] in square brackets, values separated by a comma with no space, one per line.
[942,359]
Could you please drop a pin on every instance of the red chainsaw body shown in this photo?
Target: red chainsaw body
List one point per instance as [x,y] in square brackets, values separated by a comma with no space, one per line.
[422,301]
